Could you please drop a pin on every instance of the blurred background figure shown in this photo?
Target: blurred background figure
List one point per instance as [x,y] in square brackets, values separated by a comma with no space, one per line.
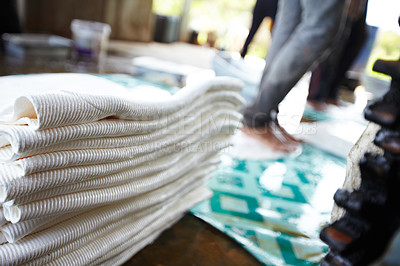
[262,9]
[9,22]
[330,74]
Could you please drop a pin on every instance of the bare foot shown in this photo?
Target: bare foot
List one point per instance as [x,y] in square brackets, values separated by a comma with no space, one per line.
[285,134]
[332,102]
[271,139]
[318,106]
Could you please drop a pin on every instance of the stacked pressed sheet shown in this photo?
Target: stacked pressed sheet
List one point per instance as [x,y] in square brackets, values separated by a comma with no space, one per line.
[91,176]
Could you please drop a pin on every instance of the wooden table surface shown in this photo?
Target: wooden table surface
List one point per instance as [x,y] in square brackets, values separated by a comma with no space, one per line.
[191,241]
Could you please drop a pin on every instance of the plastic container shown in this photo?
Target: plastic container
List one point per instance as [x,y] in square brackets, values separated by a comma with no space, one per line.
[166,29]
[90,43]
[23,45]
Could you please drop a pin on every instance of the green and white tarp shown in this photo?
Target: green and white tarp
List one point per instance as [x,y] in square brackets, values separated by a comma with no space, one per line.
[276,208]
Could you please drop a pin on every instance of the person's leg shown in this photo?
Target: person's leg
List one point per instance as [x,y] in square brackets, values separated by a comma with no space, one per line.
[258,17]
[324,75]
[287,19]
[320,21]
[317,85]
[355,41]
[262,9]
[318,81]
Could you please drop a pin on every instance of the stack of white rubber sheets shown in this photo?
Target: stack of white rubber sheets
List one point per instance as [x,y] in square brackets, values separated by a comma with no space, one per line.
[90,179]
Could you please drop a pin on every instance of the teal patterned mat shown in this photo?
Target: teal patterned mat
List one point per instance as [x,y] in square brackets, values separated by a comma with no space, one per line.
[274,208]
[131,82]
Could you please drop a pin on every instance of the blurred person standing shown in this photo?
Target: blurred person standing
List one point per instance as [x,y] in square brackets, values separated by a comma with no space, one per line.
[330,74]
[303,31]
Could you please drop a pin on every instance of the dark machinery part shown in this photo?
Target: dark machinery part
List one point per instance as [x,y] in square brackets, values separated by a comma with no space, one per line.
[372,216]
[386,111]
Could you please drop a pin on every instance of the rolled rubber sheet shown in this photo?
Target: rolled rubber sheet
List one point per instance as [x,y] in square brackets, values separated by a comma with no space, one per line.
[90,167]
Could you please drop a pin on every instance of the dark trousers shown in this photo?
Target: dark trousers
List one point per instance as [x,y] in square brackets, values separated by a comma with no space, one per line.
[330,73]
[262,9]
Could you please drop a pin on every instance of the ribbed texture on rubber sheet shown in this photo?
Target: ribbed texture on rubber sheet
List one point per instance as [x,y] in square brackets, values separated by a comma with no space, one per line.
[90,177]
[54,109]
[20,141]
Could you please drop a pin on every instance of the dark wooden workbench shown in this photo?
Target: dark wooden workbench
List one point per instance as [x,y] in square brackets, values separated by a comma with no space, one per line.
[192,241]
